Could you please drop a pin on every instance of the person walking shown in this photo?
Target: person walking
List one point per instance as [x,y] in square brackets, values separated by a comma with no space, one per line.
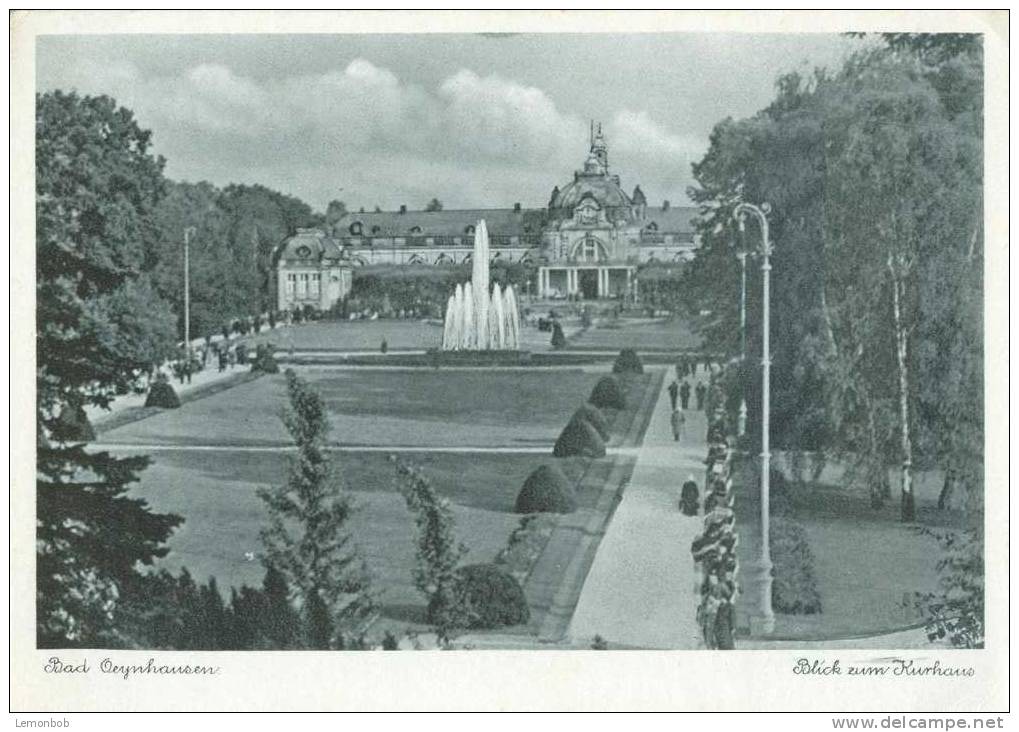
[231,358]
[678,421]
[684,395]
[700,391]
[222,358]
[673,393]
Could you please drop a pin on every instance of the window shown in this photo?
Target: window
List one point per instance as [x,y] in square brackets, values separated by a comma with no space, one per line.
[302,285]
[469,230]
[291,278]
[355,228]
[313,285]
[376,229]
[589,250]
[415,230]
[303,251]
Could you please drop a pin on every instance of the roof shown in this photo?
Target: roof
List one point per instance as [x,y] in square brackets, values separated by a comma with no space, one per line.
[500,222]
[603,188]
[309,244]
[672,219]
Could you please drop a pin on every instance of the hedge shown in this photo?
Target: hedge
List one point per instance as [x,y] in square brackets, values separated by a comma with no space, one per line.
[546,490]
[607,394]
[794,590]
[593,415]
[162,395]
[579,437]
[491,597]
[628,362]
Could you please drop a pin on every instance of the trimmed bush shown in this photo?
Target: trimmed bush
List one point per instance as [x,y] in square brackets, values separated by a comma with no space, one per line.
[607,394]
[628,362]
[162,395]
[491,597]
[72,425]
[265,361]
[593,415]
[546,490]
[794,590]
[579,437]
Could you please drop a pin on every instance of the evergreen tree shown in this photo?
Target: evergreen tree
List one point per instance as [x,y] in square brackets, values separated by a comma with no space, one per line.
[96,184]
[306,541]
[438,553]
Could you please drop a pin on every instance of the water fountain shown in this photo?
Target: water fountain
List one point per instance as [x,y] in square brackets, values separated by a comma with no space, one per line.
[479,318]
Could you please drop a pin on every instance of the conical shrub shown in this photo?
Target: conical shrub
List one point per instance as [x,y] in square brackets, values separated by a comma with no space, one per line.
[490,597]
[607,394]
[593,415]
[628,362]
[579,437]
[546,490]
[162,395]
[72,425]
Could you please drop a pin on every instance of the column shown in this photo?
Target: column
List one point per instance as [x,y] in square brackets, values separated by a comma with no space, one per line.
[281,288]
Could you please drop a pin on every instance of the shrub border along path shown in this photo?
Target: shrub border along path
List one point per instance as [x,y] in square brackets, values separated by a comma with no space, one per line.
[554,584]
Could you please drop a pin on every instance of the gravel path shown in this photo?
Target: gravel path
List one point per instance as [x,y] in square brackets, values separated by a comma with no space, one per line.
[640,590]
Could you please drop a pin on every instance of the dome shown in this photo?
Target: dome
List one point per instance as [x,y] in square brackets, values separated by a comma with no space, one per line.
[602,188]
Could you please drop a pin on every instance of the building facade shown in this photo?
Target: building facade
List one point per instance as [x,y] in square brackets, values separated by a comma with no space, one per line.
[588,243]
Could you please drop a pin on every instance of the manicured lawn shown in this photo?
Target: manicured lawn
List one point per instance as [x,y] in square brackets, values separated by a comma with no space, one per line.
[216,493]
[354,335]
[411,407]
[675,334]
[865,560]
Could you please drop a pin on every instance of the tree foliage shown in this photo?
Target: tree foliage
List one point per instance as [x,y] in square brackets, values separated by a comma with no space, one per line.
[874,165]
[99,328]
[306,541]
[438,552]
[236,230]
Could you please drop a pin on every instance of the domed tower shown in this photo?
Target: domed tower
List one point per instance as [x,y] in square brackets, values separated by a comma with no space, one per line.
[591,233]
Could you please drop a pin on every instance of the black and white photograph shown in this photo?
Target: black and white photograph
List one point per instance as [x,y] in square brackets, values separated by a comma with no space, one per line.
[480,339]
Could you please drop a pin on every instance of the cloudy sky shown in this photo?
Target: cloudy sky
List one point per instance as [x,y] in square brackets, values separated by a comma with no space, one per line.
[476,120]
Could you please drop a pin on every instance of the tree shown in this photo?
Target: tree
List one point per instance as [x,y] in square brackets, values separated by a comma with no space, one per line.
[306,541]
[96,185]
[908,183]
[434,205]
[438,553]
[335,211]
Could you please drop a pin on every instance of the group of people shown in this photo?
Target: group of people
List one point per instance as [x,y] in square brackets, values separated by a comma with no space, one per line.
[714,550]
[679,398]
[223,353]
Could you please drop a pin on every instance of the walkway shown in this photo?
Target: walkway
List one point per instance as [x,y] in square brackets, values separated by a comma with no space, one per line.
[640,590]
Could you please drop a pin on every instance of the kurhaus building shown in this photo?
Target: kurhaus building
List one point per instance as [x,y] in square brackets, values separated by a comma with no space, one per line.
[588,242]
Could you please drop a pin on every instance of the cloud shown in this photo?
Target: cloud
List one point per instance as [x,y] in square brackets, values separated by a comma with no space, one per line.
[472,140]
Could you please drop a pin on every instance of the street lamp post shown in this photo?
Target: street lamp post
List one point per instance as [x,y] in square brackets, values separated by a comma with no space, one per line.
[765,619]
[187,290]
[742,256]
